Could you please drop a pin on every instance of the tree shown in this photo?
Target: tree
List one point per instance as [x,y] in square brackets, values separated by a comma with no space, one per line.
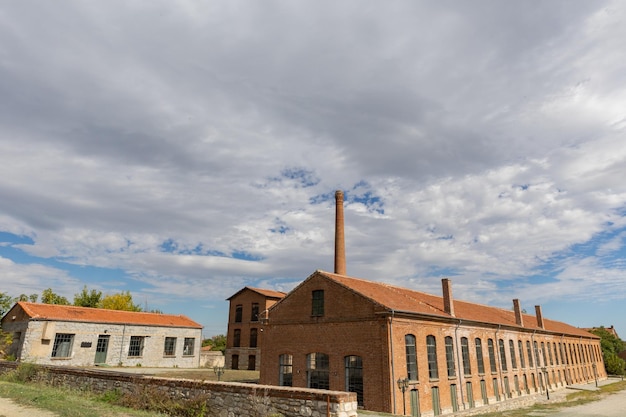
[49,297]
[216,342]
[119,301]
[611,346]
[87,298]
[6,302]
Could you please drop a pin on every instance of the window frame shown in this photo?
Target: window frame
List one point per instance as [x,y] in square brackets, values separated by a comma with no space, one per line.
[189,344]
[410,349]
[450,363]
[285,363]
[480,358]
[431,354]
[136,346]
[465,356]
[239,313]
[169,346]
[317,303]
[63,344]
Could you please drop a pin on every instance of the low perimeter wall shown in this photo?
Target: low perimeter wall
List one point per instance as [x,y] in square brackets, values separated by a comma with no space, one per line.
[224,399]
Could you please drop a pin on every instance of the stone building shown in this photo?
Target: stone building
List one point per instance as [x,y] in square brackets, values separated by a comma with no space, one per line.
[409,352]
[243,338]
[80,336]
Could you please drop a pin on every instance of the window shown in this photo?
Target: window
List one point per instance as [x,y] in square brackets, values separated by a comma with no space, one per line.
[253,337]
[354,376]
[467,368]
[536,346]
[479,356]
[411,357]
[255,312]
[492,356]
[169,349]
[543,353]
[135,349]
[550,354]
[251,362]
[520,347]
[513,359]
[530,354]
[317,305]
[450,357]
[238,313]
[285,370]
[431,349]
[317,371]
[234,362]
[237,338]
[188,346]
[62,347]
[502,355]
[556,353]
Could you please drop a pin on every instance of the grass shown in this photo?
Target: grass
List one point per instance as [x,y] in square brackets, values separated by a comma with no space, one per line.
[64,402]
[571,400]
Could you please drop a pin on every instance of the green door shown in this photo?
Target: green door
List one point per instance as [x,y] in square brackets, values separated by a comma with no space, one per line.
[415,403]
[101,348]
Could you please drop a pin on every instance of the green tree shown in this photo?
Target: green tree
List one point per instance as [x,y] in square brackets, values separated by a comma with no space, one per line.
[119,301]
[611,346]
[49,297]
[87,298]
[32,298]
[217,342]
[6,302]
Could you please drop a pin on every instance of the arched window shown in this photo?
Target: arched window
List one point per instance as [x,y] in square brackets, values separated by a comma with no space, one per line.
[480,362]
[431,353]
[253,337]
[467,368]
[492,355]
[317,370]
[530,353]
[237,338]
[450,356]
[520,347]
[513,358]
[502,355]
[411,357]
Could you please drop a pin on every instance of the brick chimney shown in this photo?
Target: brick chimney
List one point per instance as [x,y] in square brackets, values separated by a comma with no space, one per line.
[539,317]
[448,303]
[519,319]
[340,247]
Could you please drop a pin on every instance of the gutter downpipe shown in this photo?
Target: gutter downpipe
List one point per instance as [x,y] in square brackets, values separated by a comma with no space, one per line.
[458,360]
[393,368]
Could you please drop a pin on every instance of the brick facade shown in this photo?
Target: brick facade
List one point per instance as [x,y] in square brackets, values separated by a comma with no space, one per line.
[371,321]
[245,330]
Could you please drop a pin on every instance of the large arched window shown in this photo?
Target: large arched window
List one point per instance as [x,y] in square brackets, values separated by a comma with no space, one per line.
[467,368]
[450,357]
[317,370]
[502,355]
[431,350]
[354,376]
[411,357]
[480,361]
[513,358]
[492,356]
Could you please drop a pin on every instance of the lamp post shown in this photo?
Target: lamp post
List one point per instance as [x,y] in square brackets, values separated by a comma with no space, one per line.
[595,373]
[403,385]
[545,373]
[219,370]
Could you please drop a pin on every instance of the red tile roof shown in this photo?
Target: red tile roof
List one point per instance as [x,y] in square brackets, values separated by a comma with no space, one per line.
[266,293]
[40,311]
[405,300]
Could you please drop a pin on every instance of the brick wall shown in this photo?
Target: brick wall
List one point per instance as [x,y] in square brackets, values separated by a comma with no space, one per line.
[224,398]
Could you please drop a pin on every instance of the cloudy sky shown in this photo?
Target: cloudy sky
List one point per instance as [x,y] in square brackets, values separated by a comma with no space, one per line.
[182,150]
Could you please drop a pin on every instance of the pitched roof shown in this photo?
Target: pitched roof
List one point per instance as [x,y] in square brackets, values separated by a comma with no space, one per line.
[266,293]
[414,302]
[40,311]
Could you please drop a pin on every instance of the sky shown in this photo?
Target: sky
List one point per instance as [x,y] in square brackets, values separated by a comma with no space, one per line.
[182,150]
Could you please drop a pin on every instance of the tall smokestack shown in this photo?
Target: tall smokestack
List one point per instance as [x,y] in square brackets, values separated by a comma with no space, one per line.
[539,317]
[519,319]
[448,302]
[340,247]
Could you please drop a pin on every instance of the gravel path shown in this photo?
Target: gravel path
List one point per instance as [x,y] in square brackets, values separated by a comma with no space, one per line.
[9,408]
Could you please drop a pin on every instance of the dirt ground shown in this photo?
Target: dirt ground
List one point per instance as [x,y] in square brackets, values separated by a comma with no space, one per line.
[9,408]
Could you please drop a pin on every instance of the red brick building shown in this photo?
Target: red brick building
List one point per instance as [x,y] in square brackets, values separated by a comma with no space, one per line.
[341,333]
[244,326]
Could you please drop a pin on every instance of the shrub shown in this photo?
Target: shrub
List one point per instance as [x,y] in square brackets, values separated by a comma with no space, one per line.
[25,372]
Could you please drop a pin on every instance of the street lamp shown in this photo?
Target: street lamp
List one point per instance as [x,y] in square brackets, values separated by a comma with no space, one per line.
[545,372]
[595,373]
[219,370]
[403,385]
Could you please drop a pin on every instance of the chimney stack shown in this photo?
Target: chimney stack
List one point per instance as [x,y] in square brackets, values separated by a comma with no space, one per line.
[340,248]
[448,303]
[539,317]
[519,319]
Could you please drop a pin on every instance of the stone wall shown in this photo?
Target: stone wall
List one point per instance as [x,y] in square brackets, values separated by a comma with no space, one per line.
[224,399]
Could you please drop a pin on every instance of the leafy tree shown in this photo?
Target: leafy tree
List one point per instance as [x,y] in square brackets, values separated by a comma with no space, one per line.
[49,297]
[611,346]
[6,302]
[119,301]
[216,342]
[87,298]
[32,298]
